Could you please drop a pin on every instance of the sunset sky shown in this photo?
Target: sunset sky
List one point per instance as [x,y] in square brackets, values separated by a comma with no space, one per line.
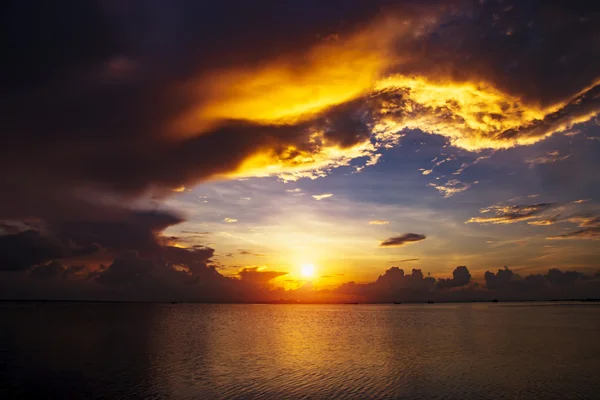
[210,150]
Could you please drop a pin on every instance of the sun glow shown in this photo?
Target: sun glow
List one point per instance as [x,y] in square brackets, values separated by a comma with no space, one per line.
[308,270]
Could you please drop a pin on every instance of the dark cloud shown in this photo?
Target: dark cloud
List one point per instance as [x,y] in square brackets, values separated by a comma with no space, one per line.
[500,279]
[392,286]
[556,284]
[460,277]
[256,275]
[51,270]
[403,239]
[127,270]
[131,277]
[107,105]
[25,249]
[135,230]
[117,80]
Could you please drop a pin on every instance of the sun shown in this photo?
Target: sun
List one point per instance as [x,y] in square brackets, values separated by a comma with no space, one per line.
[308,270]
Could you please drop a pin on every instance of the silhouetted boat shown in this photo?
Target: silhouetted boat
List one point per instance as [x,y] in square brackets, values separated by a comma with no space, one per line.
[495,301]
[430,302]
[397,302]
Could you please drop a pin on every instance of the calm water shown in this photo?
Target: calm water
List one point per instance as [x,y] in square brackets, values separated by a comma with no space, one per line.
[300,351]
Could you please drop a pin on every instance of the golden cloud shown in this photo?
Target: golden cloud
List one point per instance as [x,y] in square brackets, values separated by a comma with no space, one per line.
[379,222]
[375,77]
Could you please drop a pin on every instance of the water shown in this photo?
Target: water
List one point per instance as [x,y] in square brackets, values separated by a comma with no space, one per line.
[484,351]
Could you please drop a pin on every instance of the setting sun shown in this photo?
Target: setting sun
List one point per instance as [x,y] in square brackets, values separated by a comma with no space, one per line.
[308,270]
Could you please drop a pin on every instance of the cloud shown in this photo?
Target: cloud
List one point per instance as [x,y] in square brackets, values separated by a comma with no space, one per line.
[511,214]
[393,285]
[550,158]
[460,277]
[452,187]
[555,284]
[322,196]
[379,222]
[413,66]
[250,253]
[123,120]
[25,249]
[546,214]
[592,233]
[230,220]
[131,277]
[585,220]
[127,270]
[405,260]
[51,270]
[546,221]
[498,280]
[437,164]
[401,240]
[466,165]
[257,275]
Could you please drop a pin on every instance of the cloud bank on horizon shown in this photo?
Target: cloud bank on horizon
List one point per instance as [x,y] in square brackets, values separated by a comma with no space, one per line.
[127,104]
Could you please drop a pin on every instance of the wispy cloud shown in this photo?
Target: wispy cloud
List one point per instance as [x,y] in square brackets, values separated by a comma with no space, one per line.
[250,253]
[452,187]
[466,165]
[549,158]
[322,196]
[379,222]
[592,233]
[230,220]
[511,214]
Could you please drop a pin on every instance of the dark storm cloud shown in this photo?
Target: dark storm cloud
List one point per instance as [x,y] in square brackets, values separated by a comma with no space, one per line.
[132,231]
[92,129]
[136,230]
[91,90]
[398,241]
[108,102]
[25,249]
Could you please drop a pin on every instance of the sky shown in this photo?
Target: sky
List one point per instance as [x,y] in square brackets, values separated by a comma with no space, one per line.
[308,151]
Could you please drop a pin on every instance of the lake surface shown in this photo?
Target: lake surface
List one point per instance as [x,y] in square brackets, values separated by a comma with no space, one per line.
[196,351]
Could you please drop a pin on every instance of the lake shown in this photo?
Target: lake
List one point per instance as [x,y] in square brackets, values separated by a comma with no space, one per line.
[199,351]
